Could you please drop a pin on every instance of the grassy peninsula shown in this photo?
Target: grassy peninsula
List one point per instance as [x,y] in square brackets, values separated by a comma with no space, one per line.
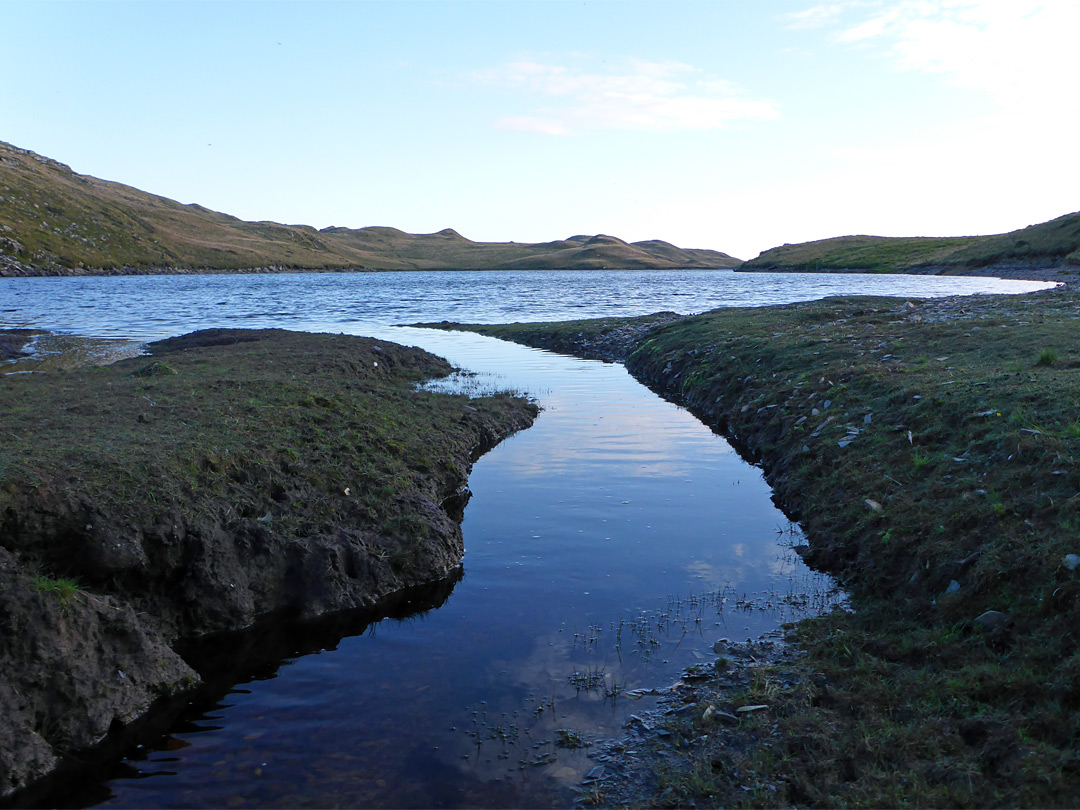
[931,451]
[228,476]
[54,221]
[1053,244]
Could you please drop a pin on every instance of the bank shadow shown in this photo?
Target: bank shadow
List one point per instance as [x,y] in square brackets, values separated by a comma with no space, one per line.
[224,662]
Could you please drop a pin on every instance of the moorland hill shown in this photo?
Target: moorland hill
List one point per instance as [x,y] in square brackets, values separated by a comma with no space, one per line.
[54,221]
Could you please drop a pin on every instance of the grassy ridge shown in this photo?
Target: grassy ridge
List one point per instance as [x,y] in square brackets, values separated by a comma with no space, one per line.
[1054,242]
[931,450]
[53,220]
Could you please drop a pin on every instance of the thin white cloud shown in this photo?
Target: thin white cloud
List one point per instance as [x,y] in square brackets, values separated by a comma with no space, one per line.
[639,96]
[820,15]
[1020,53]
[527,123]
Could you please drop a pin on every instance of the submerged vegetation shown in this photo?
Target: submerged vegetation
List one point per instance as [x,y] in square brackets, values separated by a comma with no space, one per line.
[930,450]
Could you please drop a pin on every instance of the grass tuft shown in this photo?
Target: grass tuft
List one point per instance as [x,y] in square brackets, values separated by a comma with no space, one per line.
[64,589]
[1047,357]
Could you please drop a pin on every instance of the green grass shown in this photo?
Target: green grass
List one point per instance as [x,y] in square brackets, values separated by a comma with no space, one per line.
[1047,357]
[1054,241]
[63,588]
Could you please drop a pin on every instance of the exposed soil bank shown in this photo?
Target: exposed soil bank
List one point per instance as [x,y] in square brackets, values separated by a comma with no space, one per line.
[231,476]
[930,451]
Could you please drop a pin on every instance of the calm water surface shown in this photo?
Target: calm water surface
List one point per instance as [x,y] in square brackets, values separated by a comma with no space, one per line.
[608,547]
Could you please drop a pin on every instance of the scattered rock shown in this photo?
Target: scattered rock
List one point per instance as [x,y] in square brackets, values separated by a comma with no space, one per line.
[748,709]
[695,672]
[992,620]
[872,505]
[715,715]
[954,587]
[595,774]
[1071,561]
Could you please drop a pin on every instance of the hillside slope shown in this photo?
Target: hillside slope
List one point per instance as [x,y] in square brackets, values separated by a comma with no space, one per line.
[54,221]
[1053,243]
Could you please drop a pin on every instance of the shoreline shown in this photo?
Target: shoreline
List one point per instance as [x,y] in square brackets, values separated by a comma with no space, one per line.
[1035,271]
[1049,271]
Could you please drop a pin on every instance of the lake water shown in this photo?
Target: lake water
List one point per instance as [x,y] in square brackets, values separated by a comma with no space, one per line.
[607,548]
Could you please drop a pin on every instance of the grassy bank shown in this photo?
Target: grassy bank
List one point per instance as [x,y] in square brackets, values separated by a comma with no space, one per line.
[232,475]
[1049,244]
[930,451]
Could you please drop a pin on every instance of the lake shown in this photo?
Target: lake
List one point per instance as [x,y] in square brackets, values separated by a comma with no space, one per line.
[607,548]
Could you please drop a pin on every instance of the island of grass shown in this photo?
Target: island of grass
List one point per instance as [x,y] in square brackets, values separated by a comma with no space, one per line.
[931,452]
[229,476]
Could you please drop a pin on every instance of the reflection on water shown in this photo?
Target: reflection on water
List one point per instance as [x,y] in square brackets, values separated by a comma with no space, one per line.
[608,547]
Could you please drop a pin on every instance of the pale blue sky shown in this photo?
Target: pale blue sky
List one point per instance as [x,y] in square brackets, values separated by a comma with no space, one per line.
[729,125]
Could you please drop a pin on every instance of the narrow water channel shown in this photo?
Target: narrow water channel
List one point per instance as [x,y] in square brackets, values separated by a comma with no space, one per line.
[607,549]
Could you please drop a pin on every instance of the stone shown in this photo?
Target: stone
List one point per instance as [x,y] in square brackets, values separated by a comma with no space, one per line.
[992,620]
[954,587]
[1071,561]
[715,715]
[749,709]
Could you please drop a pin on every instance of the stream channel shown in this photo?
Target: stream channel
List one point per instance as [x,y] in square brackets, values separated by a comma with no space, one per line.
[607,548]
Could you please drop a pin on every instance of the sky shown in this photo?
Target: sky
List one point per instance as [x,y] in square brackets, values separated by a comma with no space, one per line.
[735,125]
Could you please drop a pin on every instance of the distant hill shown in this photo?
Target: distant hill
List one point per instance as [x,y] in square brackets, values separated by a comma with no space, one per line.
[1053,243]
[56,222]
